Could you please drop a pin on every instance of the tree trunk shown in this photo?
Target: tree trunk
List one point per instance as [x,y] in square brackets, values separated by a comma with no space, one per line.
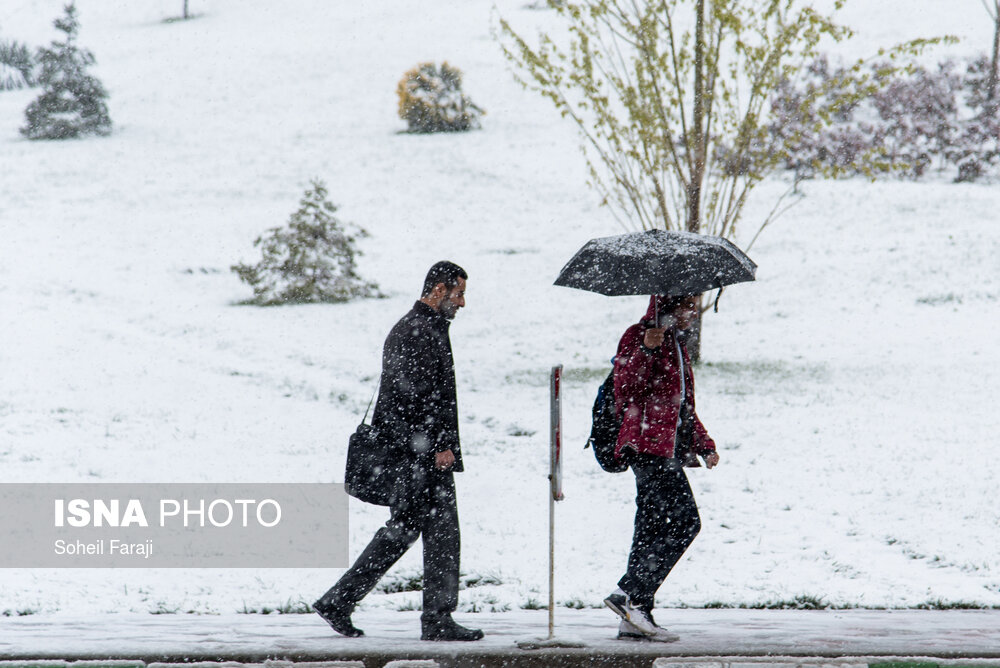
[697,150]
[696,146]
[185,9]
[991,86]
[692,336]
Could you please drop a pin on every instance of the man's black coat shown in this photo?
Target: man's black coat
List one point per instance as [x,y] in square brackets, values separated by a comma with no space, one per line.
[416,416]
[417,410]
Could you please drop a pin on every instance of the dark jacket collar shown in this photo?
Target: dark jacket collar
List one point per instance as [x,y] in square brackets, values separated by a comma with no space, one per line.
[433,316]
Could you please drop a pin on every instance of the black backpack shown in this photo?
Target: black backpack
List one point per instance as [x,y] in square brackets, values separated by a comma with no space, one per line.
[604,432]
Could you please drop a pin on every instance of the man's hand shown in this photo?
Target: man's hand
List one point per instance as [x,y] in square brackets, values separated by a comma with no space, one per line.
[444,460]
[712,460]
[653,338]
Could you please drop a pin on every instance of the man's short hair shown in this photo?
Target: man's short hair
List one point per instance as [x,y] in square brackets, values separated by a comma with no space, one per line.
[443,272]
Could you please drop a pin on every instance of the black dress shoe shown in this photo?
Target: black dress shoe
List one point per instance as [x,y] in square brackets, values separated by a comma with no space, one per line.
[446,629]
[339,621]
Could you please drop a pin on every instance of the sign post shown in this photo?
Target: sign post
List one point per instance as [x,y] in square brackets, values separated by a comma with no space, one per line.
[555,481]
[555,494]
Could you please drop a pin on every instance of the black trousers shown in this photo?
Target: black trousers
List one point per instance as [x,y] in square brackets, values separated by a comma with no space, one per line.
[666,522]
[429,510]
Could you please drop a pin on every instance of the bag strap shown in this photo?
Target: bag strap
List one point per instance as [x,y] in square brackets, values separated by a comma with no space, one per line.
[370,401]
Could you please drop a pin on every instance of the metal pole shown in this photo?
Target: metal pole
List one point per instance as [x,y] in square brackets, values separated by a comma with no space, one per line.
[552,570]
[555,482]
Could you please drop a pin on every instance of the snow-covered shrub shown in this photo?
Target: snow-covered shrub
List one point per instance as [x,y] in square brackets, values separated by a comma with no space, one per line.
[918,117]
[975,84]
[903,126]
[813,125]
[310,260]
[809,144]
[72,101]
[976,150]
[16,66]
[431,100]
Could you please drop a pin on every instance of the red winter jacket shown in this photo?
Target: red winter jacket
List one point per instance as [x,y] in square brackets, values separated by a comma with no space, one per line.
[647,394]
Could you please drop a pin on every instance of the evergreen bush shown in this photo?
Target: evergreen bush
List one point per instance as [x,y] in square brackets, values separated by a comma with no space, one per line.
[72,101]
[431,100]
[310,260]
[16,66]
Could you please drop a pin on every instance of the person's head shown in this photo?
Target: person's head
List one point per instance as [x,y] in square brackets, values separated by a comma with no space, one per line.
[444,288]
[679,312]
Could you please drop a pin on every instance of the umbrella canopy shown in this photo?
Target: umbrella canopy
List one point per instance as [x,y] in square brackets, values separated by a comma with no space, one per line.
[656,262]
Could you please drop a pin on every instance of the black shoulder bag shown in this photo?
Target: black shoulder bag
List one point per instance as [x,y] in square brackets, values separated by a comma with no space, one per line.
[370,474]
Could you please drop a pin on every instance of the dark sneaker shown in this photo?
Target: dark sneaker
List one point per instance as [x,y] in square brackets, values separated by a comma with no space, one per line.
[447,629]
[339,621]
[617,603]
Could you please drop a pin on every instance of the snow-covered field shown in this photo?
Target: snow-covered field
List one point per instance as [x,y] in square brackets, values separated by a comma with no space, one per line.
[851,389]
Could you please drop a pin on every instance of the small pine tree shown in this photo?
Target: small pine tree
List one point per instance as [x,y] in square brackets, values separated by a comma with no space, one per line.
[310,260]
[72,101]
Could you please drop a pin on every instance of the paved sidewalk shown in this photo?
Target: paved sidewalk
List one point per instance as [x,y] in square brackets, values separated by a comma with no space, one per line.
[715,637]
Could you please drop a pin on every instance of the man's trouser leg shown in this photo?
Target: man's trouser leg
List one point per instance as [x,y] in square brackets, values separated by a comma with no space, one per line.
[389,544]
[442,547]
[666,522]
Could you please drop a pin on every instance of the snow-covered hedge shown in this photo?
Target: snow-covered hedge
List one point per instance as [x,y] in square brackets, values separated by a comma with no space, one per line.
[928,118]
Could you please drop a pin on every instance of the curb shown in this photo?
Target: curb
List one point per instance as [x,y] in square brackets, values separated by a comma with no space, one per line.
[514,660]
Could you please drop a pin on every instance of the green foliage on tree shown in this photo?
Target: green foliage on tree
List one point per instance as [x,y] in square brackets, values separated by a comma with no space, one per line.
[310,260]
[72,103]
[671,97]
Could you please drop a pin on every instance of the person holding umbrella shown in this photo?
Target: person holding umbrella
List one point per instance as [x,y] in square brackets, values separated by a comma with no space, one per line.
[660,434]
[654,393]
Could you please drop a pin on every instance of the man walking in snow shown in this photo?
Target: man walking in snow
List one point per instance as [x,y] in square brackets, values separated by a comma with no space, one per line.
[660,434]
[417,413]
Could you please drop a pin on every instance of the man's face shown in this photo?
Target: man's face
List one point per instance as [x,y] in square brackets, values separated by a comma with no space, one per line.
[454,300]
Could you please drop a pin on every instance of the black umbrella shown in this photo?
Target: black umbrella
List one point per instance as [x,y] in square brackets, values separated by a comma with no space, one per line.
[656,262]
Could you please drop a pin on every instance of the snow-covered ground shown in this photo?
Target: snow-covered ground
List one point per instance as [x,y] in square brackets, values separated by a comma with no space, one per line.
[851,389]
